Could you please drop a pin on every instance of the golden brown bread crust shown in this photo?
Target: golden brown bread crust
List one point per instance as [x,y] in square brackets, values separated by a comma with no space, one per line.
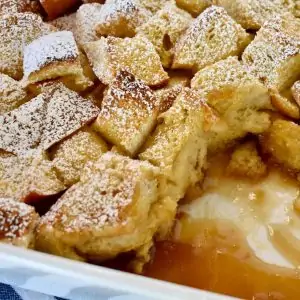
[16,31]
[164,29]
[246,162]
[135,55]
[71,155]
[120,212]
[56,8]
[194,7]
[211,37]
[12,94]
[121,18]
[282,141]
[28,178]
[17,223]
[274,55]
[128,113]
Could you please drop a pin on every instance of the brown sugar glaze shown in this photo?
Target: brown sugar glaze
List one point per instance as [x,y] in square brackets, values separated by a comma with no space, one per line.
[214,255]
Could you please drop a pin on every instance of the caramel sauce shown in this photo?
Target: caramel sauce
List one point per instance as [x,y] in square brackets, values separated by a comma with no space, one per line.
[236,237]
[214,256]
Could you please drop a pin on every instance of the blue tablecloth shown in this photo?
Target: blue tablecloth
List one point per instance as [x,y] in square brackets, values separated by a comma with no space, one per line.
[9,293]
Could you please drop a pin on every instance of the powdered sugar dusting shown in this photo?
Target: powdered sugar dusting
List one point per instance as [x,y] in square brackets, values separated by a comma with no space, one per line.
[276,42]
[15,219]
[121,18]
[212,36]
[128,112]
[23,176]
[11,94]
[108,188]
[16,6]
[45,120]
[57,46]
[136,55]
[16,31]
[87,17]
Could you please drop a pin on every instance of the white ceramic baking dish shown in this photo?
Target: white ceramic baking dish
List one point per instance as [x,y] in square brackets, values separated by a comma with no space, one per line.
[65,278]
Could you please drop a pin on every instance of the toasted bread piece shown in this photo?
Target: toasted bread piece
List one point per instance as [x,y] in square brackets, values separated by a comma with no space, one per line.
[238,98]
[87,17]
[153,5]
[28,178]
[296,92]
[194,7]
[178,145]
[56,8]
[17,223]
[135,55]
[121,18]
[45,120]
[128,113]
[52,56]
[71,155]
[213,36]
[16,31]
[114,209]
[285,104]
[12,94]
[246,162]
[282,141]
[274,54]
[67,22]
[252,14]
[164,29]
[165,97]
[19,6]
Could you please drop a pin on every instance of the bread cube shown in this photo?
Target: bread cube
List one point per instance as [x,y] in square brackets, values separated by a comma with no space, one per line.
[28,178]
[239,99]
[53,56]
[12,94]
[45,120]
[211,37]
[16,31]
[282,141]
[194,7]
[296,92]
[56,8]
[178,145]
[87,17]
[246,162]
[71,155]
[17,223]
[121,18]
[274,55]
[120,213]
[19,6]
[164,29]
[128,113]
[252,14]
[136,55]
[284,103]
